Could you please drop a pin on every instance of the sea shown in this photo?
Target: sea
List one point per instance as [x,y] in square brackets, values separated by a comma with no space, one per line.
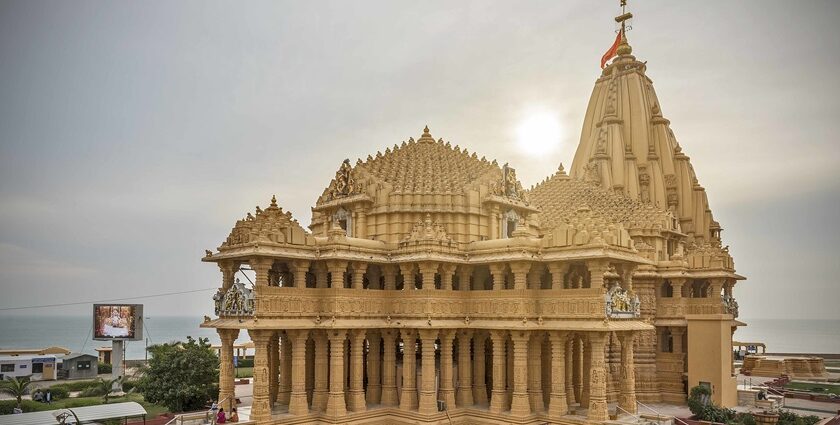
[74,333]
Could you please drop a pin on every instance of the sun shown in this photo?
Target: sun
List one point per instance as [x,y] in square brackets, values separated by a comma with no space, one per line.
[539,133]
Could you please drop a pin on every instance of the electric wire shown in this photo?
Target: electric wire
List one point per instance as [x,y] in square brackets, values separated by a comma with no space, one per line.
[108,300]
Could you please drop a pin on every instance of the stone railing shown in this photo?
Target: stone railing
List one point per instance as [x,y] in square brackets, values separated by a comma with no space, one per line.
[677,308]
[670,308]
[279,302]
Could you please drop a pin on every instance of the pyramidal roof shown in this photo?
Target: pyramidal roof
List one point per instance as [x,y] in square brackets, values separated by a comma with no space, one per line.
[426,166]
[627,146]
[561,198]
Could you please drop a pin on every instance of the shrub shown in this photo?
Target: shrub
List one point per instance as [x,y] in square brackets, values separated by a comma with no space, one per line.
[91,392]
[786,417]
[245,363]
[129,385]
[105,367]
[698,398]
[58,392]
[77,385]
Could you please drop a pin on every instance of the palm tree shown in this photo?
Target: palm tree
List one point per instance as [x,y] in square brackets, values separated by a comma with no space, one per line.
[106,387]
[16,387]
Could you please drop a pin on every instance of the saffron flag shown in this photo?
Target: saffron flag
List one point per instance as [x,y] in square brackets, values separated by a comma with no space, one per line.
[610,53]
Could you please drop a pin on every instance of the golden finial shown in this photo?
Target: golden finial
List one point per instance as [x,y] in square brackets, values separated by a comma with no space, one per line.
[623,47]
[273,201]
[426,137]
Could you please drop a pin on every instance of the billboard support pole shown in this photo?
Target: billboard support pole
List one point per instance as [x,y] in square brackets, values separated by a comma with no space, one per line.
[117,363]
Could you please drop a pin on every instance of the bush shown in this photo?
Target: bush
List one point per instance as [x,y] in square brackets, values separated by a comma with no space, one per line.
[91,392]
[245,363]
[698,398]
[105,367]
[7,406]
[58,392]
[71,386]
[786,417]
[181,375]
[129,385]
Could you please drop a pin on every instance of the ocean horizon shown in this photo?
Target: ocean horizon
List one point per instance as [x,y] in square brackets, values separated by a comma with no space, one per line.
[807,336]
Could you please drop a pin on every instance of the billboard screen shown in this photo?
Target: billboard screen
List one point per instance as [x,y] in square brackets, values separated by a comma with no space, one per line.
[118,321]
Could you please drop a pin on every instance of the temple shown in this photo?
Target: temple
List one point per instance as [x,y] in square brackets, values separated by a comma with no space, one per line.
[432,287]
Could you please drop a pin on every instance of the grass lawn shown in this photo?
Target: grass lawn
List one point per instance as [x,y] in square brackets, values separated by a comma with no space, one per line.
[244,372]
[814,387]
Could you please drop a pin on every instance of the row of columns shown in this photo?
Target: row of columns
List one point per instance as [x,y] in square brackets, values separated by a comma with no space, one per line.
[332,273]
[577,369]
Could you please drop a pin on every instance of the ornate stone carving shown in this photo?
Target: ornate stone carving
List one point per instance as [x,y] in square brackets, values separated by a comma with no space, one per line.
[236,301]
[427,230]
[621,304]
[344,184]
[730,305]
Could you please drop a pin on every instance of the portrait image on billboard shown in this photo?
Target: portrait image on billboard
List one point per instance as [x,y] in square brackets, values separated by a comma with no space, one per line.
[118,321]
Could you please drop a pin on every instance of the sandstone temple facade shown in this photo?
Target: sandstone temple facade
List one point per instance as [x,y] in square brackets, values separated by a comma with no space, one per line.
[431,287]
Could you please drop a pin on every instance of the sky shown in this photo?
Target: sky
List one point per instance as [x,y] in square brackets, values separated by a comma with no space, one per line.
[134,134]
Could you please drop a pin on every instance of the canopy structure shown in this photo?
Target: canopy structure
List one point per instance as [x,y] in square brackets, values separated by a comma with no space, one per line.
[89,414]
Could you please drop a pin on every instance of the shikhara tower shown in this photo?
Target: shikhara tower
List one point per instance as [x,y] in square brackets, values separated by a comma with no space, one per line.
[432,287]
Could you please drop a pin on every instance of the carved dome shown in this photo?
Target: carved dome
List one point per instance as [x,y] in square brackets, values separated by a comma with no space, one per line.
[399,187]
[424,166]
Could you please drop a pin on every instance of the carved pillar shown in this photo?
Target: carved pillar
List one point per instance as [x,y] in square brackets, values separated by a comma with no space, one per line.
[498,393]
[493,225]
[297,399]
[335,401]
[676,287]
[229,269]
[464,274]
[427,272]
[558,404]
[519,405]
[227,389]
[627,277]
[535,391]
[373,275]
[321,276]
[356,401]
[261,266]
[586,372]
[558,273]
[520,274]
[260,408]
[319,394]
[479,385]
[374,367]
[285,389]
[407,270]
[465,393]
[273,366]
[428,396]
[627,397]
[361,222]
[577,368]
[535,276]
[337,270]
[359,269]
[389,367]
[408,398]
[446,272]
[598,378]
[447,391]
[570,379]
[299,268]
[498,271]
[715,287]
[390,272]
[597,268]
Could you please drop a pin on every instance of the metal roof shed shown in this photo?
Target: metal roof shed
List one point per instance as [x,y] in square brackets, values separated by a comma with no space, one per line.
[88,414]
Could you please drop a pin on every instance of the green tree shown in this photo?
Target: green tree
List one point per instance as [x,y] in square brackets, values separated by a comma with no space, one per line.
[181,375]
[15,387]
